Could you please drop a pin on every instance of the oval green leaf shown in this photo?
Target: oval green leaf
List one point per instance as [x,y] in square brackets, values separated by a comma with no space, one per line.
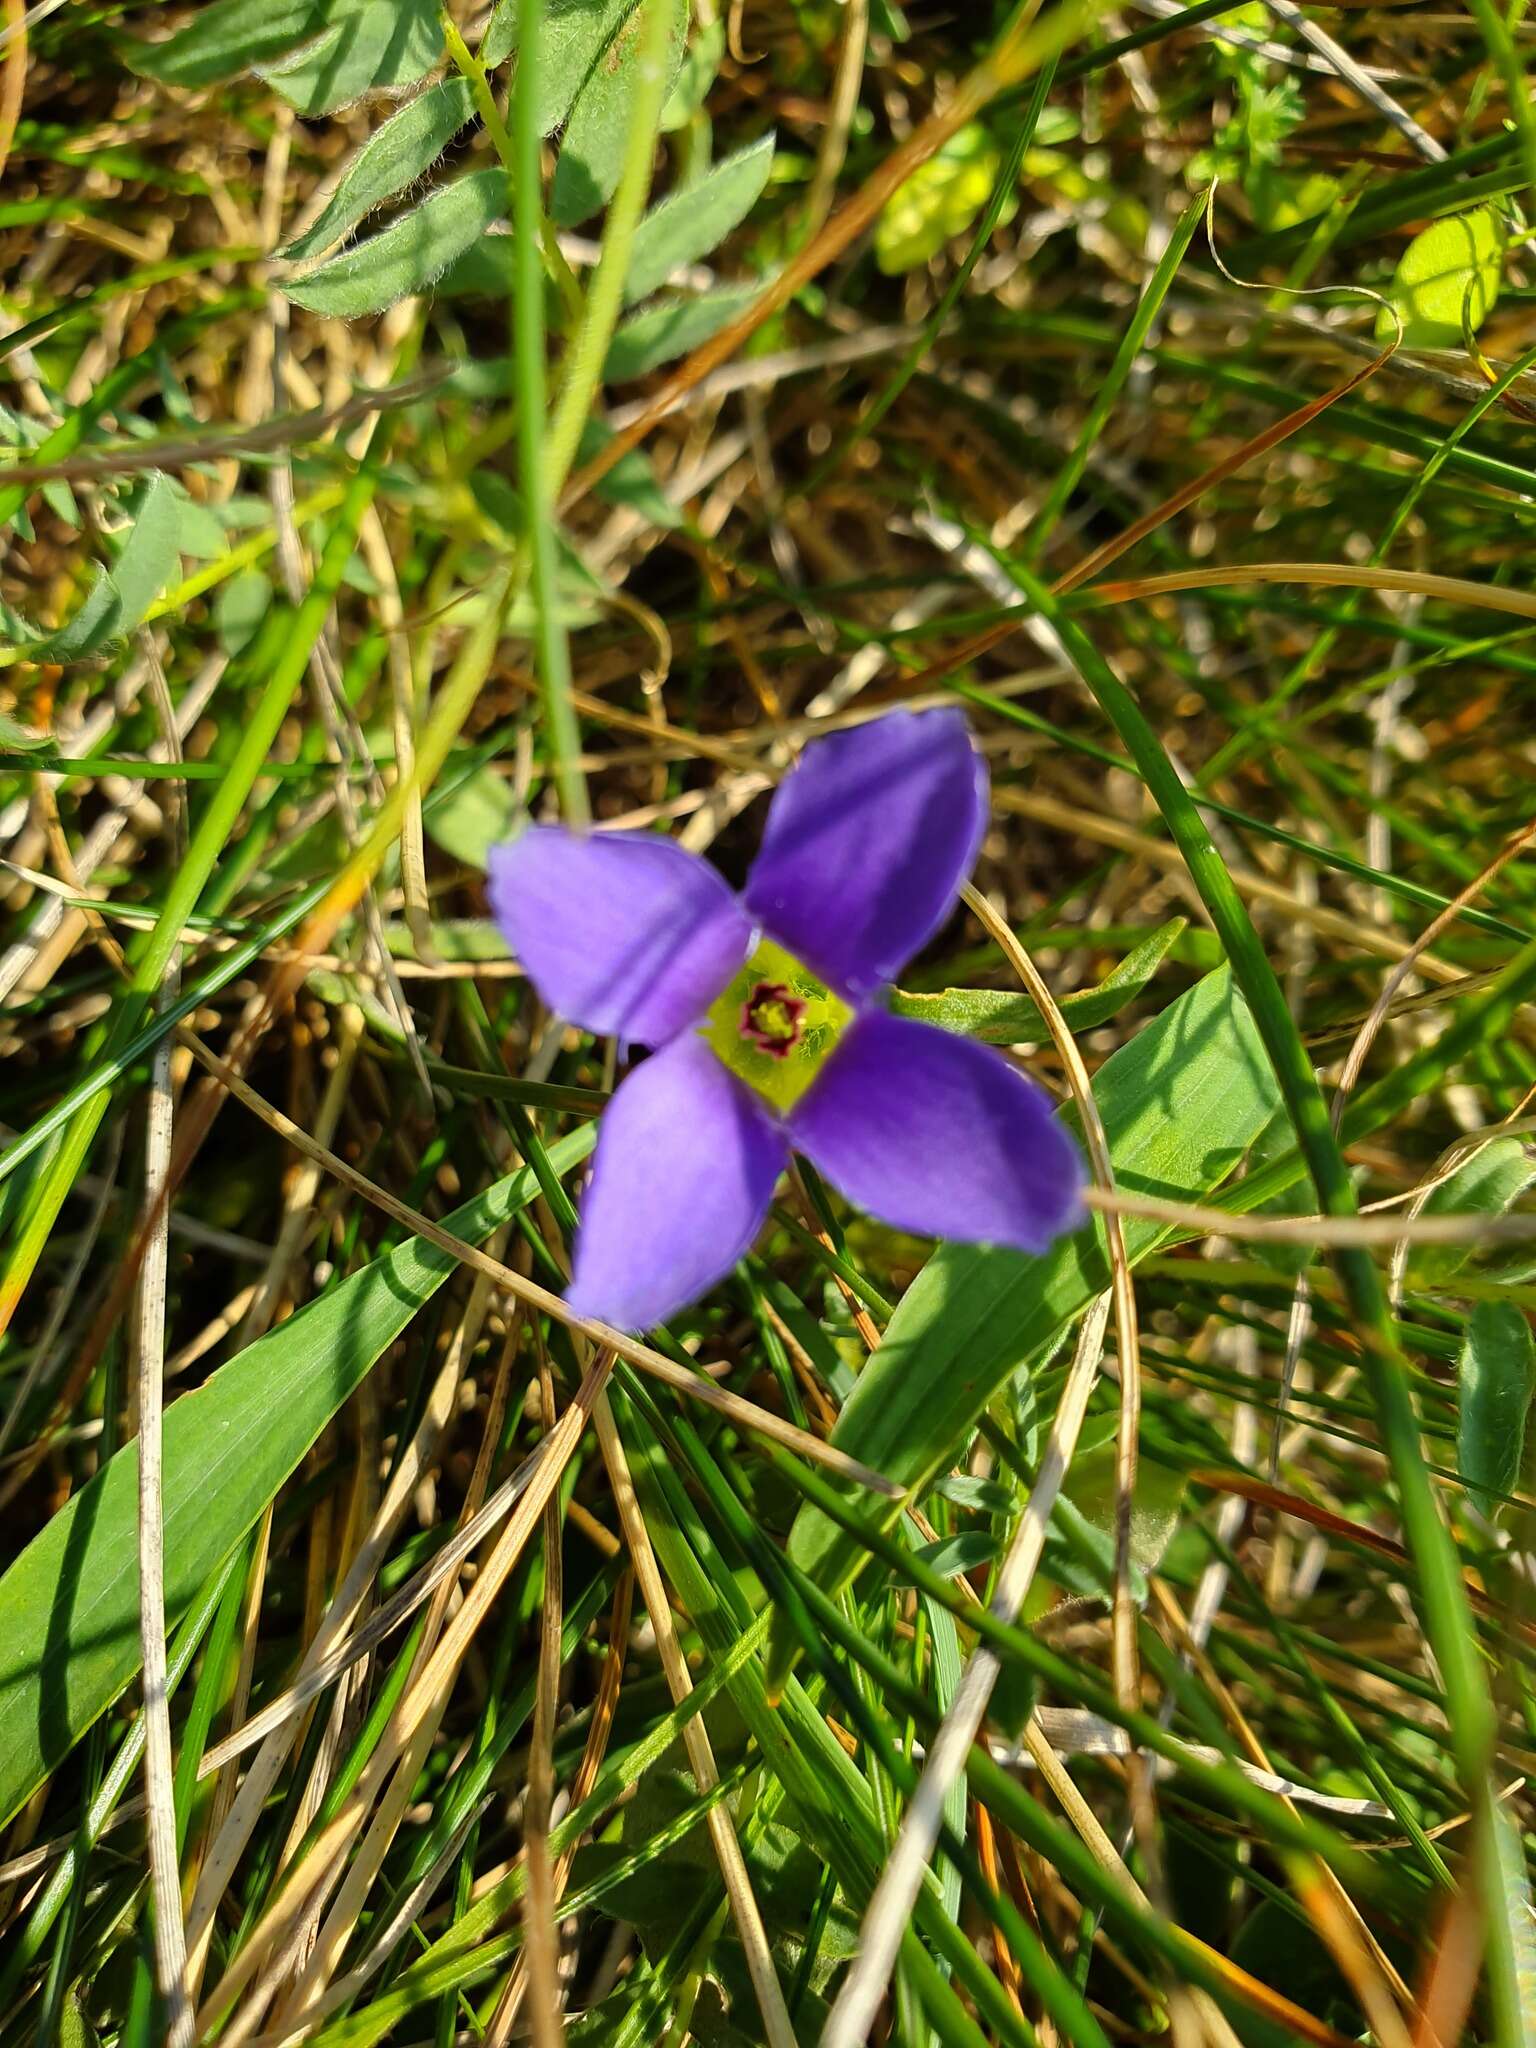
[1489,1183]
[399,152]
[366,46]
[671,327]
[1451,270]
[693,222]
[473,816]
[408,256]
[592,150]
[940,200]
[575,33]
[225,38]
[117,598]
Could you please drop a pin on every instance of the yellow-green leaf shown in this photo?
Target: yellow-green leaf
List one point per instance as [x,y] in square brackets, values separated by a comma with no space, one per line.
[940,200]
[1452,268]
[1282,199]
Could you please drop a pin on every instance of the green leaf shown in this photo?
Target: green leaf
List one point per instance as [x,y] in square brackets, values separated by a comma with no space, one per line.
[16,738]
[1280,199]
[484,271]
[1181,1104]
[574,36]
[1496,1378]
[692,222]
[1516,1904]
[75,2029]
[1488,1183]
[592,149]
[939,201]
[69,1625]
[474,816]
[26,433]
[150,552]
[395,155]
[671,327]
[1155,1503]
[1003,1017]
[409,255]
[366,46]
[239,609]
[453,938]
[226,38]
[952,1555]
[1452,267]
[200,532]
[700,68]
[631,481]
[118,597]
[980,1496]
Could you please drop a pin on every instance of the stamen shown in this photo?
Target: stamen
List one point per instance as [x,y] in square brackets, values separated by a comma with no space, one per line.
[773,1018]
[775,1025]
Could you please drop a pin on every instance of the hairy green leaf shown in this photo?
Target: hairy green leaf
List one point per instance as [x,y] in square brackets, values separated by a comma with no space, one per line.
[16,738]
[118,597]
[226,38]
[671,327]
[395,155]
[690,223]
[952,1555]
[150,550]
[366,46]
[410,255]
[1488,1183]
[592,150]
[575,33]
[692,85]
[473,816]
[1090,1492]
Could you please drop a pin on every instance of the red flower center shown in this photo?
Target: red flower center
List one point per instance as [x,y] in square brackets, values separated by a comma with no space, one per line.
[772,1018]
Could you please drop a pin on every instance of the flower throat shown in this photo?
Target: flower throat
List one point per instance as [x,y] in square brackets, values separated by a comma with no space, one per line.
[775,1025]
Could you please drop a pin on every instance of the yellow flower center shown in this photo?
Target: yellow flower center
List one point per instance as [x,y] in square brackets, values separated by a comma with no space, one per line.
[775,1025]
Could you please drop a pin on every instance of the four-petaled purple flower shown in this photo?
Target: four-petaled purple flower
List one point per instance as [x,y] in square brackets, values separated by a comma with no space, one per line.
[769,1032]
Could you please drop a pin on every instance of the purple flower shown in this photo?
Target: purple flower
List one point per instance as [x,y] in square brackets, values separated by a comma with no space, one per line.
[765,1015]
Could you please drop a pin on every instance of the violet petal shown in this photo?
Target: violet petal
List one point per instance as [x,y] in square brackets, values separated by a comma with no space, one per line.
[867,843]
[685,1169]
[620,932]
[936,1134]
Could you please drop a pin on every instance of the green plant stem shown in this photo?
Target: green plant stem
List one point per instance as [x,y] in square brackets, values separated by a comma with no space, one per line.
[605,293]
[540,491]
[474,75]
